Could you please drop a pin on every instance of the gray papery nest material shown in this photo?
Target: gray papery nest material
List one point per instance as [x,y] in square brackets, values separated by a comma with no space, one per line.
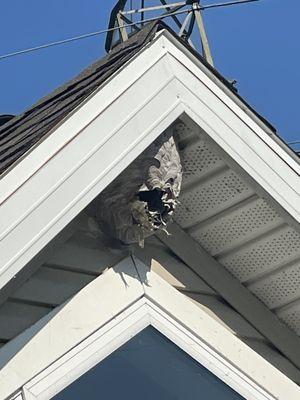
[142,199]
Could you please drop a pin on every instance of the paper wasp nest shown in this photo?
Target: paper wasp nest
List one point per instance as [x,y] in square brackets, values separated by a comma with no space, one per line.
[142,199]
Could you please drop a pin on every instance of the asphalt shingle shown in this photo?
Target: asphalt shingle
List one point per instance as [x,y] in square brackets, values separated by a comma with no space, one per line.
[23,132]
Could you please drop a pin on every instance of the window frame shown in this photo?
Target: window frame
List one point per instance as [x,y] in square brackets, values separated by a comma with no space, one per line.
[116,333]
[173,315]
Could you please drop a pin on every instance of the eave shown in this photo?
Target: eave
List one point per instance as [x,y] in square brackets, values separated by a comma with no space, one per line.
[48,188]
[239,136]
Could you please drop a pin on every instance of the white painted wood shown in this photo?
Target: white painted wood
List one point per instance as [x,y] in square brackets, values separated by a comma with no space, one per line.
[180,276]
[216,337]
[273,356]
[113,88]
[27,395]
[90,352]
[182,279]
[11,348]
[39,260]
[95,323]
[197,334]
[80,185]
[91,308]
[231,290]
[241,144]
[223,313]
[233,102]
[172,269]
[18,396]
[169,82]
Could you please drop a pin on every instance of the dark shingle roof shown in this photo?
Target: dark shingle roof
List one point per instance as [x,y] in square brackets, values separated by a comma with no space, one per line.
[21,133]
[4,118]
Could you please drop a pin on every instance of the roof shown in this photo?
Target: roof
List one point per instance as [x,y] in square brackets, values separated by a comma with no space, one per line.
[21,133]
[4,118]
[240,199]
[25,130]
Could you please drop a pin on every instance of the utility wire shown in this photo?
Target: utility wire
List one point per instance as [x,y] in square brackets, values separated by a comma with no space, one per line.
[296,142]
[96,33]
[87,35]
[228,3]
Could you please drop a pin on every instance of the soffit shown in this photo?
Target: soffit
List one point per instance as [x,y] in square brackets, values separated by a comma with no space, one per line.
[214,193]
[64,267]
[73,264]
[24,190]
[240,226]
[130,280]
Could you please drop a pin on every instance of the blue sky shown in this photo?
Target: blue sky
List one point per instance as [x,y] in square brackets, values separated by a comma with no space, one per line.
[256,44]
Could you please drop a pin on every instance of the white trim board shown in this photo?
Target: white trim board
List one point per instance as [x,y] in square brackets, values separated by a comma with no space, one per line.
[233,291]
[95,323]
[62,175]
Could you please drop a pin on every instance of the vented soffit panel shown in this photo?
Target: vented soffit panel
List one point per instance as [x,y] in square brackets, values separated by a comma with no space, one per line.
[241,228]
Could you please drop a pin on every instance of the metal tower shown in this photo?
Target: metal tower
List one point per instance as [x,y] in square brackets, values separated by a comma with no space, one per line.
[123,15]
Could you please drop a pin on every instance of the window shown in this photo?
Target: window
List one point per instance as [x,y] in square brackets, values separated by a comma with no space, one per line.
[149,366]
[146,341]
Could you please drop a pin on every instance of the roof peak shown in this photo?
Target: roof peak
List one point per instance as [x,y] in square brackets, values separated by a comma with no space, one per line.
[129,19]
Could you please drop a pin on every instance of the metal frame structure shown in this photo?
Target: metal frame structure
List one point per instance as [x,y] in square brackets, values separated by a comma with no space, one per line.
[120,18]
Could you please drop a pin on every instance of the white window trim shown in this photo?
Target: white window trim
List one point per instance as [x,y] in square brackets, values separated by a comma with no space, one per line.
[108,339]
[141,298]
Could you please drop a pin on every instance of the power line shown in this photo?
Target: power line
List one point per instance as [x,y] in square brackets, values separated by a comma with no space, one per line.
[296,142]
[87,35]
[97,33]
[228,3]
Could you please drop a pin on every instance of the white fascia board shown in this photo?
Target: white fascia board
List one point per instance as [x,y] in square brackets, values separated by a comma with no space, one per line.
[117,306]
[93,307]
[86,153]
[80,118]
[262,164]
[235,132]
[90,352]
[235,104]
[218,344]
[83,155]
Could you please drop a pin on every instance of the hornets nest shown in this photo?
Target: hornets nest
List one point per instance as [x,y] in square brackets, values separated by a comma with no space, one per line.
[142,199]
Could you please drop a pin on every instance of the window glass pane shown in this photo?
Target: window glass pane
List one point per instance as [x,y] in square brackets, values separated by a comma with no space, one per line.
[149,366]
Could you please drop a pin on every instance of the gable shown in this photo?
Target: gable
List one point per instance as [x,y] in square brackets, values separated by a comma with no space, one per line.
[88,333]
[81,147]
[59,178]
[70,264]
